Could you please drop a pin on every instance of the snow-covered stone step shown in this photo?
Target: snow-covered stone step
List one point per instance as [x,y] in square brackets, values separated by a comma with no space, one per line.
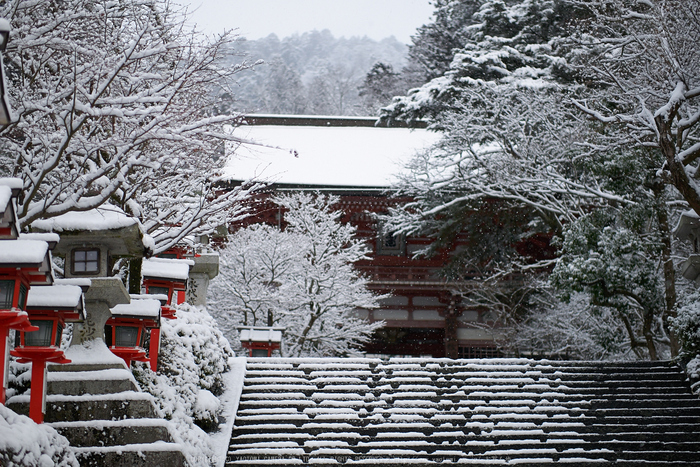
[76,383]
[130,455]
[490,412]
[114,432]
[128,404]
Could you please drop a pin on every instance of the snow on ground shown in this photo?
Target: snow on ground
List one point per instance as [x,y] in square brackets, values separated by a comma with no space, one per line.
[229,406]
[23,443]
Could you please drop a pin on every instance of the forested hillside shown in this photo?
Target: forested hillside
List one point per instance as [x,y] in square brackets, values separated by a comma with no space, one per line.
[312,73]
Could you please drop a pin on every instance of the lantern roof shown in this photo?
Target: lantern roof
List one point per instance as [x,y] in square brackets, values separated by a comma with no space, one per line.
[5,197]
[146,308]
[260,334]
[23,253]
[55,296]
[13,183]
[83,282]
[51,238]
[688,225]
[146,296]
[167,268]
[9,224]
[107,225]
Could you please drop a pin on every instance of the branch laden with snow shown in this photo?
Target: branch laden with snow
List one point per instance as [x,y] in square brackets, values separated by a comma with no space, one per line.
[113,104]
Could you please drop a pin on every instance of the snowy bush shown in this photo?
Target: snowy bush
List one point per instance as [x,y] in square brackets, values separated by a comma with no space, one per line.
[193,356]
[693,371]
[23,443]
[687,324]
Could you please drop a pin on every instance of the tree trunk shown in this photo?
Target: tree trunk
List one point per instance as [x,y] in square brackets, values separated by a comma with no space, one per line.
[679,176]
[669,274]
[451,342]
[135,275]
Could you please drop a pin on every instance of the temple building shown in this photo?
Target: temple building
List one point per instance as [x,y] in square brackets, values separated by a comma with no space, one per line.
[352,158]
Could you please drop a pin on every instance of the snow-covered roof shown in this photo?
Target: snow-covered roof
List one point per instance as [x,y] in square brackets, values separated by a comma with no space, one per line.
[22,252]
[43,236]
[155,296]
[82,282]
[12,182]
[325,156]
[5,197]
[103,218]
[54,296]
[148,308]
[167,268]
[260,335]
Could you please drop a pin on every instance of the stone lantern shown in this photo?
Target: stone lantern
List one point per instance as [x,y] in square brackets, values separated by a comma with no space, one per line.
[90,243]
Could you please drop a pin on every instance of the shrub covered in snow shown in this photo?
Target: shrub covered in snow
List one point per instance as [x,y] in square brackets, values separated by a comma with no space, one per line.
[23,443]
[687,324]
[193,356]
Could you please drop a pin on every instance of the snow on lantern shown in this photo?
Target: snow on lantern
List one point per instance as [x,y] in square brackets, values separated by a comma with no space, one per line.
[260,341]
[127,331]
[5,109]
[23,263]
[49,309]
[166,276]
[9,191]
[167,312]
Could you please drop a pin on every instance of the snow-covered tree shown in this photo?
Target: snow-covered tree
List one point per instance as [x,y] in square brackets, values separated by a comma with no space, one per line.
[381,83]
[569,330]
[511,108]
[644,58]
[254,275]
[113,104]
[301,278]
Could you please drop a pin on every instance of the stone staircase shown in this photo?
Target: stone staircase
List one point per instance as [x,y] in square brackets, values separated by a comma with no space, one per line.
[104,416]
[472,412]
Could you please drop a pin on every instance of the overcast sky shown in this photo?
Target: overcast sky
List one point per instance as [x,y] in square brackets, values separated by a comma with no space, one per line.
[254,19]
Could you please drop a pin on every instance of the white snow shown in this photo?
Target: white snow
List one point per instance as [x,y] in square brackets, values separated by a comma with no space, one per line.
[30,445]
[23,252]
[148,308]
[54,296]
[11,182]
[82,282]
[104,218]
[260,335]
[329,156]
[43,236]
[166,268]
[94,351]
[5,197]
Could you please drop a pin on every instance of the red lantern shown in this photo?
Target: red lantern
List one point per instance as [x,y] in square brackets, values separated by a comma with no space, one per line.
[22,263]
[260,341]
[49,308]
[128,328]
[166,276]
